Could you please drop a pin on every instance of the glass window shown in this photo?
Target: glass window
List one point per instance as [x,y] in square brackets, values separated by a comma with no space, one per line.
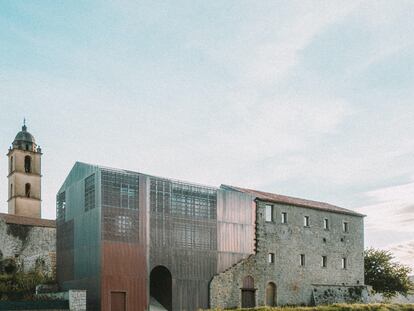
[284,218]
[326,224]
[302,259]
[345,226]
[324,261]
[344,263]
[90,192]
[269,213]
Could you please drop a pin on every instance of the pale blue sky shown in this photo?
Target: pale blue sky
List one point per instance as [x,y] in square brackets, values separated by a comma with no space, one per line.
[309,98]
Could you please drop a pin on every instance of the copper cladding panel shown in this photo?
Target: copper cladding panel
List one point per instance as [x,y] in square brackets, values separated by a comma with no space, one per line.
[124,270]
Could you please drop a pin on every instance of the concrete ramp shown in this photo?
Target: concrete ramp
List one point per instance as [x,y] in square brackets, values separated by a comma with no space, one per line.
[154,305]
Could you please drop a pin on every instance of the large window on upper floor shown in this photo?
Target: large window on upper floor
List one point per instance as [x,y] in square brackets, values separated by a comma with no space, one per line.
[284,218]
[326,224]
[90,192]
[345,226]
[306,222]
[269,213]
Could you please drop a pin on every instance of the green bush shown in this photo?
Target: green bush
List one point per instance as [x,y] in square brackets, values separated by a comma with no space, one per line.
[20,286]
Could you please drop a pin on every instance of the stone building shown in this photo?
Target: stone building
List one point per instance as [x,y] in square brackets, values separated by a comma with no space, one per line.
[25,238]
[138,242]
[306,252]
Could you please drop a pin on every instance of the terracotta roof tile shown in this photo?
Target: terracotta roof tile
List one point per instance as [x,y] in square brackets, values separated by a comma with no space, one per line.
[28,221]
[277,198]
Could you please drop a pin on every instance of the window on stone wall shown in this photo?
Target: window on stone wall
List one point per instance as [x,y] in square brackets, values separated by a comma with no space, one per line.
[326,224]
[344,263]
[302,260]
[324,261]
[284,218]
[345,226]
[306,221]
[269,213]
[271,258]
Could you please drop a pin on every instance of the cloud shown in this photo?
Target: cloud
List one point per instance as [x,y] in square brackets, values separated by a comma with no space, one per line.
[391,208]
[404,253]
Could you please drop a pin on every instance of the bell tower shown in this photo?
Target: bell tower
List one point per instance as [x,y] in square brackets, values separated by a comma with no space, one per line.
[24,175]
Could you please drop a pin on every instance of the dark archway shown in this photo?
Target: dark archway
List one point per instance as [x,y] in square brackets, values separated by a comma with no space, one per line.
[248,293]
[161,286]
[271,294]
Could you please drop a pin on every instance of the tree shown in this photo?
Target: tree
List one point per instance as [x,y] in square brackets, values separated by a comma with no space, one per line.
[385,275]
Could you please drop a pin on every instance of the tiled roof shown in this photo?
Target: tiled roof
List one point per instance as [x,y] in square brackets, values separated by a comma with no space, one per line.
[28,221]
[277,198]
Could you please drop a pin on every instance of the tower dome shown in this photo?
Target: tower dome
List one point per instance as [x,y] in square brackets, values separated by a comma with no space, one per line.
[24,140]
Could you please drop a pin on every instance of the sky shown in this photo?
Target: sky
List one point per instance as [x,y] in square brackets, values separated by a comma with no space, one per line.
[312,99]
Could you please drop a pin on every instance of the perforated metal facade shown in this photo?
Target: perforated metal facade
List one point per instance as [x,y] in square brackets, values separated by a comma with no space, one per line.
[116,226]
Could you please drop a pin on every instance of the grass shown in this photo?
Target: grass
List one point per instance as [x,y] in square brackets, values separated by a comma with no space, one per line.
[338,307]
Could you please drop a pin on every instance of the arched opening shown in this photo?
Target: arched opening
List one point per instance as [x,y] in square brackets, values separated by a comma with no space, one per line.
[27,190]
[11,190]
[248,293]
[11,164]
[27,164]
[271,294]
[161,286]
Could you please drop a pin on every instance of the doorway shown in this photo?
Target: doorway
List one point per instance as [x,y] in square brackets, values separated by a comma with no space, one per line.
[118,301]
[161,286]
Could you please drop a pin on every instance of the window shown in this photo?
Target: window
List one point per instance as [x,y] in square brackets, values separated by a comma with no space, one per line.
[306,221]
[11,190]
[326,224]
[324,261]
[344,263]
[271,258]
[302,260]
[27,190]
[90,192]
[27,164]
[11,164]
[284,218]
[269,213]
[345,226]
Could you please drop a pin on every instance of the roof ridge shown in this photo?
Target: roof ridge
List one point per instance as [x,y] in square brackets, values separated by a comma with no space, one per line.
[280,198]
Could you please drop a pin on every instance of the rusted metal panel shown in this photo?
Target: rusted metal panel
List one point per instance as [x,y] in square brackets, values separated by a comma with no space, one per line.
[124,255]
[124,270]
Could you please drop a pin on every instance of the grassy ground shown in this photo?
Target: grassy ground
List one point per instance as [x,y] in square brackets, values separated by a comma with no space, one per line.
[340,307]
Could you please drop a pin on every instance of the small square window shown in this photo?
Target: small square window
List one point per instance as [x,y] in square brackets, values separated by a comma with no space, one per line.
[306,221]
[324,261]
[271,258]
[326,224]
[344,263]
[345,226]
[302,260]
[269,213]
[284,218]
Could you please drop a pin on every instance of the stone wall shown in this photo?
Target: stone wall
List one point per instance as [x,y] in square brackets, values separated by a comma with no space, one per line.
[77,300]
[287,241]
[32,247]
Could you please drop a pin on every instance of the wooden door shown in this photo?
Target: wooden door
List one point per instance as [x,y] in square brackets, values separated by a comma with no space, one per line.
[248,298]
[118,301]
